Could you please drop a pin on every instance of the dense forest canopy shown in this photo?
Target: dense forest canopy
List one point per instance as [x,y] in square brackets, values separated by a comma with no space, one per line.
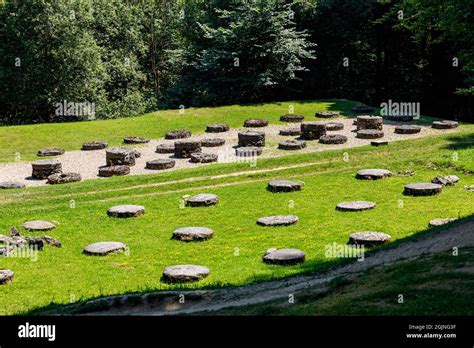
[127,57]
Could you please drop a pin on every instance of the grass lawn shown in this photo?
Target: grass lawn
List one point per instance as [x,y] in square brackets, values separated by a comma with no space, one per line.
[234,254]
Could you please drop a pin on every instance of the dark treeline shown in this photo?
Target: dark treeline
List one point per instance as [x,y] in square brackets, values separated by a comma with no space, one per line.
[129,57]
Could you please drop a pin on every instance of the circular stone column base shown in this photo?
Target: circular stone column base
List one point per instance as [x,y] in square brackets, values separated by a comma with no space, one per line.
[369,122]
[135,140]
[190,234]
[407,129]
[255,122]
[370,134]
[334,126]
[103,248]
[202,200]
[38,225]
[445,124]
[217,128]
[333,139]
[373,174]
[251,138]
[283,256]
[126,211]
[355,206]
[6,276]
[369,239]
[290,131]
[109,171]
[50,152]
[184,273]
[118,157]
[312,130]
[184,148]
[278,220]
[327,114]
[178,134]
[94,145]
[292,145]
[202,157]
[63,178]
[284,186]
[291,118]
[422,189]
[215,142]
[160,164]
[44,168]
[165,148]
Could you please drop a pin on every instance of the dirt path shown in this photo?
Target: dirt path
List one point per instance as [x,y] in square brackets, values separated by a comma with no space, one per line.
[168,303]
[87,162]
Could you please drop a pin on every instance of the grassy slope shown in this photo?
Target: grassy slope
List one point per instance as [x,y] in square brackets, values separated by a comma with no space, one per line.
[439,284]
[60,273]
[26,140]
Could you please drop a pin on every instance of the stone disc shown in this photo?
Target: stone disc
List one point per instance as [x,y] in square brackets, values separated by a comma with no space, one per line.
[407,129]
[214,142]
[165,148]
[202,200]
[255,122]
[38,225]
[178,134]
[188,234]
[369,238]
[93,145]
[6,276]
[291,118]
[445,124]
[104,248]
[184,273]
[278,220]
[63,178]
[334,126]
[327,114]
[440,222]
[217,128]
[11,185]
[333,139]
[126,211]
[283,256]
[135,140]
[355,206]
[248,151]
[202,157]
[162,163]
[292,145]
[50,152]
[290,131]
[422,189]
[284,186]
[370,134]
[373,174]
[108,171]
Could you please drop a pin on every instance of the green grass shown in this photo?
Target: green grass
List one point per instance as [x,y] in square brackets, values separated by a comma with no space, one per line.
[234,254]
[435,284]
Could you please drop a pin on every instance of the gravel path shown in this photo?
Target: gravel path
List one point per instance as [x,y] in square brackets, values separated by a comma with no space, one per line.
[87,162]
[200,301]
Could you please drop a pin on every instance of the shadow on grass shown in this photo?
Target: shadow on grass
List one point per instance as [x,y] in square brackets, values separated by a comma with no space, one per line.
[460,142]
[155,298]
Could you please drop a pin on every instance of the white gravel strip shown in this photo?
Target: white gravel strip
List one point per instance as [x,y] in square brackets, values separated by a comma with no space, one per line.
[87,162]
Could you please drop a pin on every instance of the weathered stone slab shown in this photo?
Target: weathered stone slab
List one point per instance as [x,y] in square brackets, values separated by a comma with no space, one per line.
[407,129]
[312,130]
[165,148]
[104,248]
[369,134]
[373,174]
[291,118]
[213,142]
[217,128]
[333,139]
[188,234]
[369,239]
[355,206]
[369,122]
[38,225]
[255,122]
[94,145]
[126,211]
[446,124]
[284,186]
[118,157]
[440,222]
[334,126]
[202,157]
[6,276]
[108,171]
[54,151]
[44,168]
[290,131]
[277,220]
[63,178]
[6,185]
[422,189]
[160,164]
[292,145]
[202,200]
[184,273]
[248,151]
[178,134]
[327,114]
[135,140]
[251,138]
[283,256]
[184,148]
[448,180]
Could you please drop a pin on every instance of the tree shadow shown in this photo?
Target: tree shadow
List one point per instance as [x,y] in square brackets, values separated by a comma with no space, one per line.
[460,142]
